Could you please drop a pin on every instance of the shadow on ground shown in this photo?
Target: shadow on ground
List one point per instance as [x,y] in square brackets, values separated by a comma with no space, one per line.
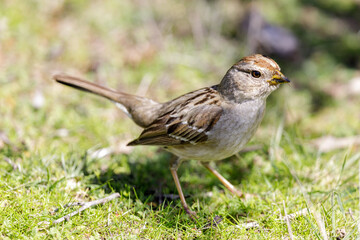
[149,179]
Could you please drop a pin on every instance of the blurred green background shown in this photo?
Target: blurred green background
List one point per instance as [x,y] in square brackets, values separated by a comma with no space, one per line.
[59,137]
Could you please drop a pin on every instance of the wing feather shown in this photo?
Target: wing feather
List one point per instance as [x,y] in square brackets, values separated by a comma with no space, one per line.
[185,123]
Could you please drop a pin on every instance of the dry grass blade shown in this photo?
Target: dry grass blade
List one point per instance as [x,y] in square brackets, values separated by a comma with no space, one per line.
[86,206]
[288,222]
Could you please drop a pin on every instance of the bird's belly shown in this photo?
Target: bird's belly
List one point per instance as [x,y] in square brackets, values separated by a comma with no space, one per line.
[228,137]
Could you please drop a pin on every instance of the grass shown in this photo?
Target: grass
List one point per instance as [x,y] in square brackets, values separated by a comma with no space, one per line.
[50,133]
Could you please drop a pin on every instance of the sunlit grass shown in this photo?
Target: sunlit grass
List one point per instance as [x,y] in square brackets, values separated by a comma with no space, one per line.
[47,146]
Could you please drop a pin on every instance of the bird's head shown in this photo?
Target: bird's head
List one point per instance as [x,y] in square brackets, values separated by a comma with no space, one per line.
[254,76]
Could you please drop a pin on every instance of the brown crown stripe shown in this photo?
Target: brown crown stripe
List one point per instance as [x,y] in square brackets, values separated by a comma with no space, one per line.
[260,62]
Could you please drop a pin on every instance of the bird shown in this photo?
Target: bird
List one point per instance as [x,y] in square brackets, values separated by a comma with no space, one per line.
[208,124]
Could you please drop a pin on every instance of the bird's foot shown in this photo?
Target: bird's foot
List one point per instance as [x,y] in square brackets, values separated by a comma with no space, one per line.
[190,213]
[242,195]
[238,193]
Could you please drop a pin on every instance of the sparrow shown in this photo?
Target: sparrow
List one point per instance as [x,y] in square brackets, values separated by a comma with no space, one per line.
[208,124]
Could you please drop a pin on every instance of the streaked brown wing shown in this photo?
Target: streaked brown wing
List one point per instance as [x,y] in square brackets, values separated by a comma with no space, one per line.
[184,124]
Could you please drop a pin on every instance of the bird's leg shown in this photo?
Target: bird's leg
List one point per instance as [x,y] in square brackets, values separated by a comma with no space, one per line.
[174,165]
[226,183]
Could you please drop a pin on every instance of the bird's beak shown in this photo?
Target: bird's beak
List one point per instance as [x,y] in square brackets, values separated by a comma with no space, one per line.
[278,78]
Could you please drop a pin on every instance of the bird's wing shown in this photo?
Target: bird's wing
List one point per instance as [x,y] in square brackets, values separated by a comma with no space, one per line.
[187,121]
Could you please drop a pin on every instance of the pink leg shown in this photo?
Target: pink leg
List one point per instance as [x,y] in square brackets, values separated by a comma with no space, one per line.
[226,183]
[173,168]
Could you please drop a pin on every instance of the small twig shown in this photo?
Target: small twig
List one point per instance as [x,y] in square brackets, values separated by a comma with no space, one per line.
[86,206]
[288,223]
[68,205]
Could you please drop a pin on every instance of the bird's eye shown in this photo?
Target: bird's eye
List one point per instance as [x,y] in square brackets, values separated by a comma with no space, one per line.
[255,74]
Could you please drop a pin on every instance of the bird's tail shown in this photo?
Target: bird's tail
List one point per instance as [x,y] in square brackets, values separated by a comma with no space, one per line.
[142,110]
